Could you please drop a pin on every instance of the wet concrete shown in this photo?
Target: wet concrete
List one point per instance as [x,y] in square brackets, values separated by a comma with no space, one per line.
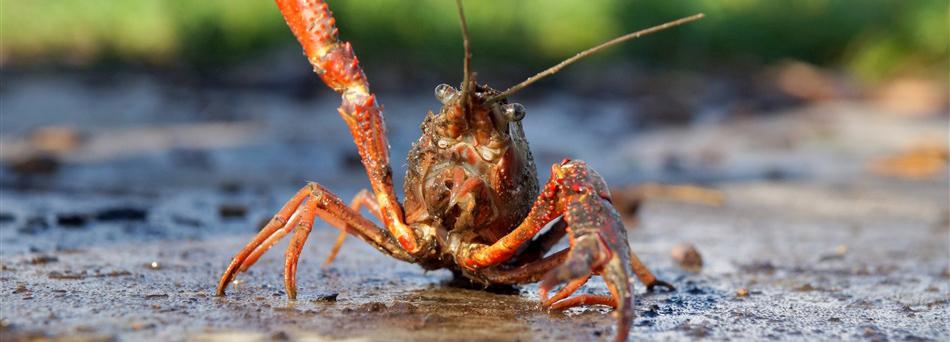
[126,242]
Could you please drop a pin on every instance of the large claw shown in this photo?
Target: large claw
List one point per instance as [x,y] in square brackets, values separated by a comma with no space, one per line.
[598,247]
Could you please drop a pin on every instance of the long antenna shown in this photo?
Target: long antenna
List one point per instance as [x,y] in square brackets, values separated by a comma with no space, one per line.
[580,55]
[466,80]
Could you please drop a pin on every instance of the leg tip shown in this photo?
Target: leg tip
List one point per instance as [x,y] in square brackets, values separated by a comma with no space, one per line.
[651,287]
[291,291]
[222,287]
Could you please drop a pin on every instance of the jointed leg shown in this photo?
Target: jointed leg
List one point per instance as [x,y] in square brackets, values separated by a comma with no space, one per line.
[540,246]
[568,289]
[584,299]
[336,248]
[262,240]
[271,240]
[296,245]
[523,274]
[361,200]
[646,277]
[310,202]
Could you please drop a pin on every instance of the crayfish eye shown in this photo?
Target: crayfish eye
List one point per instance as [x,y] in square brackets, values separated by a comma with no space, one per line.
[445,93]
[513,111]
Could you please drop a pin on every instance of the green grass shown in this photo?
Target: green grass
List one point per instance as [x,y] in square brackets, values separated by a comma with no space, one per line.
[872,39]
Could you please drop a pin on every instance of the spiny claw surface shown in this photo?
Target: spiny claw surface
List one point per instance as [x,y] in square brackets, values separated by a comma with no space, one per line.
[598,247]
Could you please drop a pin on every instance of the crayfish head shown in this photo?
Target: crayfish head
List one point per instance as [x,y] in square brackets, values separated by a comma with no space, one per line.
[472,170]
[462,114]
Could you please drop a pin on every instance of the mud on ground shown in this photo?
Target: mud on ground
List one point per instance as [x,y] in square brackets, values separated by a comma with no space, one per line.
[125,240]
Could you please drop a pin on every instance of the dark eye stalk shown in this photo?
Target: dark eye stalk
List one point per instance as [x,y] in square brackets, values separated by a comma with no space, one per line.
[513,111]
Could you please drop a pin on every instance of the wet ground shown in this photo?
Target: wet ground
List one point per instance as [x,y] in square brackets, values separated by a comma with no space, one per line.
[117,224]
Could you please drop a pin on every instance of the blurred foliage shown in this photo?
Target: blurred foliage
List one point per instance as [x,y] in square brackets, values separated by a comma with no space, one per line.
[872,39]
[151,32]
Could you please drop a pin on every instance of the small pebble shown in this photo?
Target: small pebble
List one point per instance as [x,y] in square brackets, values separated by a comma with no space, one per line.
[71,220]
[84,328]
[742,292]
[56,139]
[122,214]
[326,298]
[66,275]
[686,255]
[805,288]
[136,326]
[280,336]
[232,211]
[37,165]
[841,250]
[839,253]
[43,259]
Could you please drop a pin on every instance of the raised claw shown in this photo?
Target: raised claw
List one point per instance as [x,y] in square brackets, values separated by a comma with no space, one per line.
[335,62]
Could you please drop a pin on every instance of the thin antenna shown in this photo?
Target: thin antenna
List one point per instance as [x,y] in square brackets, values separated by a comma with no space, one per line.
[553,70]
[466,80]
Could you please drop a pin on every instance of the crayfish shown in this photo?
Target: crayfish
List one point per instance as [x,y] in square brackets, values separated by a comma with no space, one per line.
[473,204]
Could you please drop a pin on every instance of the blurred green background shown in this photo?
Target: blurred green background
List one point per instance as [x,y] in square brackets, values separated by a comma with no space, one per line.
[872,40]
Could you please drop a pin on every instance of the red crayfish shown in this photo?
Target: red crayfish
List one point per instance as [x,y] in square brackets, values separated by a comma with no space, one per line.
[473,203]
